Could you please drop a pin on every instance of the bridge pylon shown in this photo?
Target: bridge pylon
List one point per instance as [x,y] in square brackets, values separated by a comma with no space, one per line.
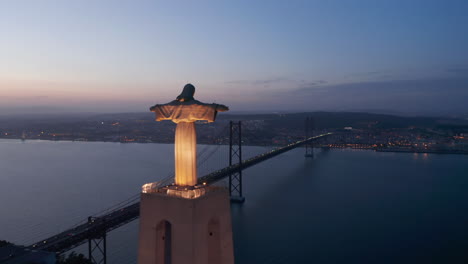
[309,128]
[235,155]
[97,246]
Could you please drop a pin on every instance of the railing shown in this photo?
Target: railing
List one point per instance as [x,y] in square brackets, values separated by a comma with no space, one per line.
[78,235]
[220,174]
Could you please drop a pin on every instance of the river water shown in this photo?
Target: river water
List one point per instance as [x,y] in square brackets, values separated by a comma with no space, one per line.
[343,206]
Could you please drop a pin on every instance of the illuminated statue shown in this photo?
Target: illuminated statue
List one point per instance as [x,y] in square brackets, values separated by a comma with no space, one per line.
[184,111]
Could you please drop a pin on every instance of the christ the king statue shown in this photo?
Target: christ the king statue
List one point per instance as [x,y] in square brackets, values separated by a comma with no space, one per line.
[184,111]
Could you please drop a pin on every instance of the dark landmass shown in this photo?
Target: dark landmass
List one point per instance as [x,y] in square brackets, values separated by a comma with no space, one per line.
[358,130]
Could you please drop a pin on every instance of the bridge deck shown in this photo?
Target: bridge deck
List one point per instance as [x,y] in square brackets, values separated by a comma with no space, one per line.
[78,235]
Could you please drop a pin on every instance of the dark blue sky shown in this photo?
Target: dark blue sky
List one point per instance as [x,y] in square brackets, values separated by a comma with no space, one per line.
[396,55]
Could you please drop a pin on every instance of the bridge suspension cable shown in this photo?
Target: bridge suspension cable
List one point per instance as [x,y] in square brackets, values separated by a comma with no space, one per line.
[128,211]
[36,231]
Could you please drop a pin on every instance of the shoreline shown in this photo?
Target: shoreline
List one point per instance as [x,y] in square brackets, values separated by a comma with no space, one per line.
[122,142]
[423,151]
[152,142]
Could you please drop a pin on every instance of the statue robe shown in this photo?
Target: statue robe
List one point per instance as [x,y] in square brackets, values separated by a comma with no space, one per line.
[190,111]
[185,114]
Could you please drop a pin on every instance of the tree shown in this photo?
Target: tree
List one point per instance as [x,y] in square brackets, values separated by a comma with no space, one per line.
[73,258]
[4,243]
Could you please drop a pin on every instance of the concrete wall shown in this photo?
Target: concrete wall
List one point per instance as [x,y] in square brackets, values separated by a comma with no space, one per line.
[182,231]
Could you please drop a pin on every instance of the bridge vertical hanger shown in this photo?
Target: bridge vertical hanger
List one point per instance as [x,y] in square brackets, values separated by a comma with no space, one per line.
[77,235]
[235,155]
[97,246]
[309,128]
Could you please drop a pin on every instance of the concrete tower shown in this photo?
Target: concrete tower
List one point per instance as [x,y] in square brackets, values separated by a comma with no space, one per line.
[186,222]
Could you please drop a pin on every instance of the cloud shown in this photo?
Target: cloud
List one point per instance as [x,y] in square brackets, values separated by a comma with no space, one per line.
[458,70]
[431,96]
[372,75]
[261,81]
[9,97]
[313,83]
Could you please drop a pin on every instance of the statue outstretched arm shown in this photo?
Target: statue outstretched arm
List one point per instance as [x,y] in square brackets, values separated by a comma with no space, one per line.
[153,108]
[221,108]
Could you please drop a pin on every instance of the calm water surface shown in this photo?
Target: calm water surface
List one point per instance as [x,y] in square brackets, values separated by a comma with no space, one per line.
[343,206]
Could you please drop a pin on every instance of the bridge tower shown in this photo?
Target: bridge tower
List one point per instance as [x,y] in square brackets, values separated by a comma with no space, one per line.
[97,246]
[235,156]
[309,129]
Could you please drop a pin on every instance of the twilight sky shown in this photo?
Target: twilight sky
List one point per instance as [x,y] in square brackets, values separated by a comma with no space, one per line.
[118,56]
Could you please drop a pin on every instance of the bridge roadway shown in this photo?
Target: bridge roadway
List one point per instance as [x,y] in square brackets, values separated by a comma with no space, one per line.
[98,226]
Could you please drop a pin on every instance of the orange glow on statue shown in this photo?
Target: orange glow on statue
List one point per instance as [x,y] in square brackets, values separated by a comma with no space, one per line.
[184,111]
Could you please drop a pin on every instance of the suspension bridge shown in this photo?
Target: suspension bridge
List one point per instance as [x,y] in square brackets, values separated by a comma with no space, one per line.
[94,230]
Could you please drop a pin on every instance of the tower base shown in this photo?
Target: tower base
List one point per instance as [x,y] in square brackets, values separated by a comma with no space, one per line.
[177,230]
[237,199]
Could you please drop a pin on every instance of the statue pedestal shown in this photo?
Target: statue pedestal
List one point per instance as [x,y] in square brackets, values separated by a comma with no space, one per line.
[178,230]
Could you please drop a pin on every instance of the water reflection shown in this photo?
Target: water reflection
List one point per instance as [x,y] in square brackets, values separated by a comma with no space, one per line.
[343,206]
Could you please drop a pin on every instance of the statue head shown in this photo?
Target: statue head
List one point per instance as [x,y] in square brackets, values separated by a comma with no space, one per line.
[187,93]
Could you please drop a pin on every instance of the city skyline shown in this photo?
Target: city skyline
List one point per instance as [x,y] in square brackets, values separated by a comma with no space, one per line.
[119,56]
